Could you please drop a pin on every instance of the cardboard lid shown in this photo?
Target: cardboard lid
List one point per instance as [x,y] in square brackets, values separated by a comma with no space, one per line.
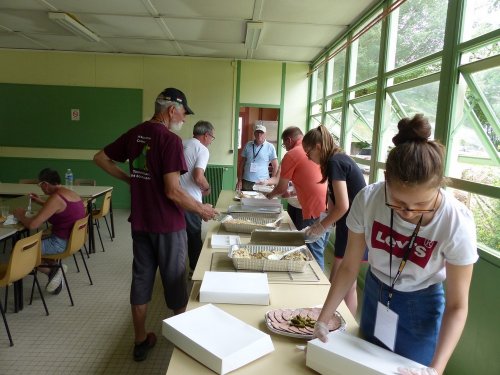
[276,237]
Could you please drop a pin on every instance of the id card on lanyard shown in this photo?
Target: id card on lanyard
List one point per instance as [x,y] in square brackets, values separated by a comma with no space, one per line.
[386,323]
[253,164]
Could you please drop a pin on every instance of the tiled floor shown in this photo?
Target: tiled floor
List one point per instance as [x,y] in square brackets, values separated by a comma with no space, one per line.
[94,336]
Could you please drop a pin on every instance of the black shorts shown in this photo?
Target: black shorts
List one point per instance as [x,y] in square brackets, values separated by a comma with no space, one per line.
[166,251]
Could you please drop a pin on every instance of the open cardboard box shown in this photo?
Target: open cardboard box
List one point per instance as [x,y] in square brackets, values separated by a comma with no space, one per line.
[217,339]
[224,241]
[235,287]
[347,354]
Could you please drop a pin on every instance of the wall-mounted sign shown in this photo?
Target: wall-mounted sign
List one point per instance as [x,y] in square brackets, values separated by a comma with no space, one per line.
[75,115]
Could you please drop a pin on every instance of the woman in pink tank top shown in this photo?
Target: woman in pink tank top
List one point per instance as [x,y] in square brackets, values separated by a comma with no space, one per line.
[62,208]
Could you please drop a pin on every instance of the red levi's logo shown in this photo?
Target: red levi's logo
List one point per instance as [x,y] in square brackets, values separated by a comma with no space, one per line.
[422,248]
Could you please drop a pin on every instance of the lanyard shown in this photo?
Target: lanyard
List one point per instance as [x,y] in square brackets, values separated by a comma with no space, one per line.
[406,254]
[256,154]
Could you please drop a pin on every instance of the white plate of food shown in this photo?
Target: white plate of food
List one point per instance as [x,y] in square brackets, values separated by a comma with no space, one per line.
[299,323]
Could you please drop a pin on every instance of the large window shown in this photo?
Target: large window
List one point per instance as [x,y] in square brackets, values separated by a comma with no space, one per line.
[481,17]
[420,29]
[363,106]
[366,52]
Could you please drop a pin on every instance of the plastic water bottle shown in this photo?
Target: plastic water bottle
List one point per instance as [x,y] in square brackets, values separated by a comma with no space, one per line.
[68,177]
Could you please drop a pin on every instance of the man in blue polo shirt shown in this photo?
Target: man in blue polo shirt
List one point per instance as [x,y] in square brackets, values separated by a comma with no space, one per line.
[255,159]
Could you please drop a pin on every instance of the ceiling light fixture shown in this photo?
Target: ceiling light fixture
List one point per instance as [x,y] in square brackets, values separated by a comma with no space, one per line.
[254,31]
[72,24]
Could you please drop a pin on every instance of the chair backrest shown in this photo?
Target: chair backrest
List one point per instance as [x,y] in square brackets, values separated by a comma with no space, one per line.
[28,181]
[85,182]
[106,205]
[77,237]
[25,256]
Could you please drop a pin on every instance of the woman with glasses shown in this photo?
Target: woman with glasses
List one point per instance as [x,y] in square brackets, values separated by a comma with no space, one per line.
[345,180]
[418,236]
[62,208]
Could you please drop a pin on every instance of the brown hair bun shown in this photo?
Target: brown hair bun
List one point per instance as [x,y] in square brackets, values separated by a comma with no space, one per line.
[416,129]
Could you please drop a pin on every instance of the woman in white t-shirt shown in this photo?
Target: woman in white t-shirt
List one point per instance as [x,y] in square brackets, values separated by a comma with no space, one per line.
[418,235]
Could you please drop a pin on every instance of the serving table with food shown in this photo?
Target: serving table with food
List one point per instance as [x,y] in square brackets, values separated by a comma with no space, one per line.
[295,295]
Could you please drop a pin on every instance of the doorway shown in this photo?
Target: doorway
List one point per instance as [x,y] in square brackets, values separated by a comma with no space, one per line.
[249,117]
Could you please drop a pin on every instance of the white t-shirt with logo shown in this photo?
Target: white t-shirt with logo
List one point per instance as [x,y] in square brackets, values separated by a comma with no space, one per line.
[449,237]
[196,155]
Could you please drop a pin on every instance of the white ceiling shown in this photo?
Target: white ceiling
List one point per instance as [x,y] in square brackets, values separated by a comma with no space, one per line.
[294,30]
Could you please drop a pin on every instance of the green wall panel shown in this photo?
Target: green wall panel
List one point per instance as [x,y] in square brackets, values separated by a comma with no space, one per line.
[13,169]
[477,351]
[228,181]
[40,116]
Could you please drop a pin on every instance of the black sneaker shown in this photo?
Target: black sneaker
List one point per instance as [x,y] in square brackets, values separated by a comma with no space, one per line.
[141,350]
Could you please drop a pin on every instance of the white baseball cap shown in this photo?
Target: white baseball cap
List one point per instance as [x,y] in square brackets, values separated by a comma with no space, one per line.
[260,128]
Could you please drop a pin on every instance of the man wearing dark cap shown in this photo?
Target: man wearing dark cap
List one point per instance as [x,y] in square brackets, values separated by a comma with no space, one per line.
[156,161]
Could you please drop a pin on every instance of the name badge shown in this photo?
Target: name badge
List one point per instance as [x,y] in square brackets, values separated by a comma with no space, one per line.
[253,167]
[386,325]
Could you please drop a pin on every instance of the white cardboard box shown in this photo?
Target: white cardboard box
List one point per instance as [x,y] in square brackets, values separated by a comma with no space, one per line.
[217,339]
[347,354]
[235,287]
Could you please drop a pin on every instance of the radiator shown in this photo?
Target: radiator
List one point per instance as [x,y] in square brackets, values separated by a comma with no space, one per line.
[214,175]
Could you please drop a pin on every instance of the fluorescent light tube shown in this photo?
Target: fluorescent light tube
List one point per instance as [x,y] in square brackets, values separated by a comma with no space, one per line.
[254,31]
[72,24]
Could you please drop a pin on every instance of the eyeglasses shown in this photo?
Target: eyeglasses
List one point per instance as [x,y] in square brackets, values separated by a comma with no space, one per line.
[213,138]
[41,183]
[405,209]
[283,144]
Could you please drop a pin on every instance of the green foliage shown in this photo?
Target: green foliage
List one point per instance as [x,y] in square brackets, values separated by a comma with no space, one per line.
[485,209]
[361,144]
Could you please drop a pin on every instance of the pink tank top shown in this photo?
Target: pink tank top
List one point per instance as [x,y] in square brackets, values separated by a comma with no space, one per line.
[62,222]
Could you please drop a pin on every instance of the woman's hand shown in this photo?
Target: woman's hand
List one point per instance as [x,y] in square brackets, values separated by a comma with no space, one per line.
[417,371]
[36,198]
[321,331]
[315,230]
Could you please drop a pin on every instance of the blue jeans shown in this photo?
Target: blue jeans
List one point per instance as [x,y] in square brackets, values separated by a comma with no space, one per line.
[53,245]
[317,248]
[420,315]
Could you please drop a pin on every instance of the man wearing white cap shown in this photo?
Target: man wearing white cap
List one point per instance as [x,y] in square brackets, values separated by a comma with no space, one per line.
[255,159]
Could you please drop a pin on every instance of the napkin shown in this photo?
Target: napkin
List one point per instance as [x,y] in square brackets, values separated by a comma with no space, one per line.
[11,220]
